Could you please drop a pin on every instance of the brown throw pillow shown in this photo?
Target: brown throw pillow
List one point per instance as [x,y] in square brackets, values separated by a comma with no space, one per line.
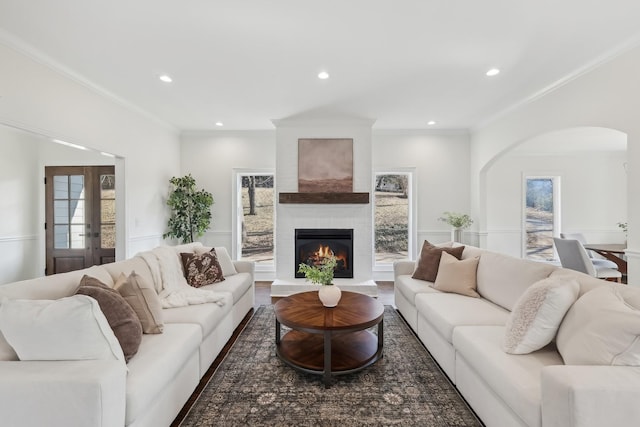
[121,317]
[203,269]
[144,300]
[457,276]
[427,267]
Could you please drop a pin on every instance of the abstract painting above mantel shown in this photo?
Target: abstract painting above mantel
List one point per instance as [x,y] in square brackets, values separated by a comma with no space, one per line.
[325,165]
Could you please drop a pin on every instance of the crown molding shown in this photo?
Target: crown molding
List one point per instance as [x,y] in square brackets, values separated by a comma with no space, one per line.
[579,72]
[18,45]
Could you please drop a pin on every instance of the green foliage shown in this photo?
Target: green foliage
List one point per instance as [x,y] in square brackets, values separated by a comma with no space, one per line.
[322,275]
[456,220]
[540,194]
[190,210]
[623,226]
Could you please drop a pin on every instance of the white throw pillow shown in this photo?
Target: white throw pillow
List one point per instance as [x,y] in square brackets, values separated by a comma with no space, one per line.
[602,328]
[537,314]
[71,328]
[228,269]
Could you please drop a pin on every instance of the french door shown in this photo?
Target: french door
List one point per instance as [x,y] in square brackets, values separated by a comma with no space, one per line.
[80,217]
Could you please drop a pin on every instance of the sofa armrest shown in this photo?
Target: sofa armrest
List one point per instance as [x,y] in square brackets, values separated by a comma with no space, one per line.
[245,267]
[590,396]
[63,393]
[403,267]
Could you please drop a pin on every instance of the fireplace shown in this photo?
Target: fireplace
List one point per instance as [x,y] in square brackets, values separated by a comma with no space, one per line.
[315,244]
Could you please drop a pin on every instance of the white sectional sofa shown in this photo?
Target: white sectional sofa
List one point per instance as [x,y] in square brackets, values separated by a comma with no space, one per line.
[148,391]
[465,336]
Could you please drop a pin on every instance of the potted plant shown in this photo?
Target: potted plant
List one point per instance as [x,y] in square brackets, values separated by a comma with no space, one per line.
[624,226]
[190,210]
[458,222]
[322,275]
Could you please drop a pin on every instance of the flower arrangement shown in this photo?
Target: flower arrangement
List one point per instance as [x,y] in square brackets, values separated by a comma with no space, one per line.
[321,275]
[456,220]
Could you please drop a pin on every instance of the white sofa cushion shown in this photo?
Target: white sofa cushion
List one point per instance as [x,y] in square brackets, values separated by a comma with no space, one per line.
[236,284]
[535,319]
[515,379]
[159,360]
[207,316]
[447,311]
[6,351]
[602,328]
[503,279]
[71,328]
[410,287]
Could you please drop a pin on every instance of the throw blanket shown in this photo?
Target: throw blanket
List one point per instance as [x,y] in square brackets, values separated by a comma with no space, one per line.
[170,283]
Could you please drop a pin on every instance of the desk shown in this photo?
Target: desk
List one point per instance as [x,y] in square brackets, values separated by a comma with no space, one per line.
[612,252]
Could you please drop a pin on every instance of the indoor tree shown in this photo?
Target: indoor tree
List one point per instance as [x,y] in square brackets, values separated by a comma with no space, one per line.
[190,209]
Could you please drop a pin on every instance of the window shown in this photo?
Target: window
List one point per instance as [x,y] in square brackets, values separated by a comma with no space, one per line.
[540,216]
[255,219]
[393,214]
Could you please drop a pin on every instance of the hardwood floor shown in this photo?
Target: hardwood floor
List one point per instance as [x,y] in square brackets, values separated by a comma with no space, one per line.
[263,297]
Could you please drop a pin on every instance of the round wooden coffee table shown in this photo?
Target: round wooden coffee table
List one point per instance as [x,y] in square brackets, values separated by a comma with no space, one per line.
[329,341]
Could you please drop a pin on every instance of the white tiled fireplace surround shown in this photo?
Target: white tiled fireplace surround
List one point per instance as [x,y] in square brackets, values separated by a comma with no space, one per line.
[359,217]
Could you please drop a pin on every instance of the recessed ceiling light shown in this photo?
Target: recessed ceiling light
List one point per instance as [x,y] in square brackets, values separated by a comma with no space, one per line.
[493,72]
[219,124]
[323,75]
[165,78]
[431,123]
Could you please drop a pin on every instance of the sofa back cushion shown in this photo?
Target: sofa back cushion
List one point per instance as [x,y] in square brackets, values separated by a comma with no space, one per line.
[47,287]
[127,267]
[502,279]
[70,328]
[586,282]
[602,328]
[6,351]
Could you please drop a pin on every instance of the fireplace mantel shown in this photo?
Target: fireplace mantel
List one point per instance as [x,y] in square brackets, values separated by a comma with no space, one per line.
[324,198]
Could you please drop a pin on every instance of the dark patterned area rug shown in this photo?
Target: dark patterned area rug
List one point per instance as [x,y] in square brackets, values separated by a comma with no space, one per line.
[252,386]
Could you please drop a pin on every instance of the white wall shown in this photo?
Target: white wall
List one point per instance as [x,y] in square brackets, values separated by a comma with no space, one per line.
[211,158]
[593,196]
[607,96]
[441,162]
[19,182]
[353,216]
[35,97]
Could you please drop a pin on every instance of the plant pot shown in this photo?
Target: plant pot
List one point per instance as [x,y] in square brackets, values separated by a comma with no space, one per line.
[329,295]
[456,235]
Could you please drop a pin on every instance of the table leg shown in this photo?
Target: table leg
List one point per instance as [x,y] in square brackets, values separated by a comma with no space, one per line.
[277,332]
[327,359]
[381,336]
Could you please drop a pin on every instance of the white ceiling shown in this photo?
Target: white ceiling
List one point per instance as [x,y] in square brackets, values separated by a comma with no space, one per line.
[246,62]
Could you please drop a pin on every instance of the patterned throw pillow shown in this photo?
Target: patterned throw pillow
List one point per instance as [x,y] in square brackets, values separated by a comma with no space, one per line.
[203,269]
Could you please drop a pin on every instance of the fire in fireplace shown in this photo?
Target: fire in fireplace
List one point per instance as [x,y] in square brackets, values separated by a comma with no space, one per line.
[313,245]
